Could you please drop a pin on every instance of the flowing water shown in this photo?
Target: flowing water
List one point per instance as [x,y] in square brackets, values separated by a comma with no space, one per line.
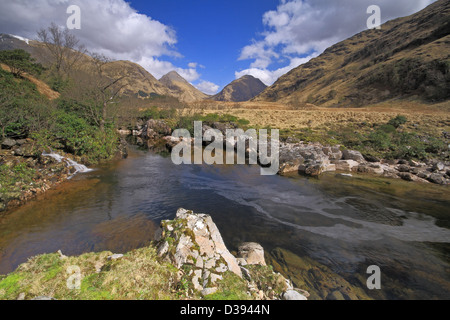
[345,223]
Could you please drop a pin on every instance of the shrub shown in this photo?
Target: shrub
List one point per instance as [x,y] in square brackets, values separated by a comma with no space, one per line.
[397,121]
[20,62]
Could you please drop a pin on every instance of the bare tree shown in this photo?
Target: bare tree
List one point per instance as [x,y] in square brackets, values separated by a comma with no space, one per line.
[97,90]
[63,46]
[107,87]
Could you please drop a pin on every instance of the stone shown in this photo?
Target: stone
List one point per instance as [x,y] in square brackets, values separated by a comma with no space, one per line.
[370,158]
[43,298]
[252,253]
[406,176]
[116,256]
[155,128]
[241,261]
[293,295]
[61,255]
[439,166]
[352,155]
[335,295]
[195,280]
[403,168]
[345,165]
[246,273]
[333,153]
[8,143]
[194,239]
[423,174]
[437,178]
[208,291]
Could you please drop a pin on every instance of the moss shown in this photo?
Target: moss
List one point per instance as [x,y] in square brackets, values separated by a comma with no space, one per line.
[264,277]
[10,286]
[231,287]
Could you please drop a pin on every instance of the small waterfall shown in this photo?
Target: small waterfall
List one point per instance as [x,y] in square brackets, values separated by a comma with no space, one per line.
[79,168]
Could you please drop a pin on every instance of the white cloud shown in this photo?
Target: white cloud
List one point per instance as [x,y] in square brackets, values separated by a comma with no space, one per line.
[299,28]
[111,27]
[207,87]
[189,74]
[270,76]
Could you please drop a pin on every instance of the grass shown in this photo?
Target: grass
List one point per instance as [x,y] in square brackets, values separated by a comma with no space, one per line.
[378,130]
[15,174]
[138,275]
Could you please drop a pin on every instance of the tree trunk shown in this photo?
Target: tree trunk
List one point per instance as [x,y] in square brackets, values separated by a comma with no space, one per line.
[104,114]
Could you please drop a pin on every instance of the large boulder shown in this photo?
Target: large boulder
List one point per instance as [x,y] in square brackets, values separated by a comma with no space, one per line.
[309,159]
[252,253]
[293,295]
[193,240]
[8,143]
[352,155]
[155,128]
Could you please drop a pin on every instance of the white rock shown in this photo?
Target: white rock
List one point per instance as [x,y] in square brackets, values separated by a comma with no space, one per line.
[293,295]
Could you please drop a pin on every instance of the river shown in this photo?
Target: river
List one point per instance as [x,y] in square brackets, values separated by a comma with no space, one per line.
[344,223]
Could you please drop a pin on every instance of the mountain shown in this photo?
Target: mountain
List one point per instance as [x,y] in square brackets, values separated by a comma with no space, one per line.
[407,58]
[137,81]
[242,89]
[180,88]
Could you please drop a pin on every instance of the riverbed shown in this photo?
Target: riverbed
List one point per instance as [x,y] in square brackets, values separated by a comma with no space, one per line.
[344,223]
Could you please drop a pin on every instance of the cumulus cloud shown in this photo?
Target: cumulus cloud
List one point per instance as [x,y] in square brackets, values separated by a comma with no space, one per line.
[207,87]
[111,27]
[270,76]
[302,29]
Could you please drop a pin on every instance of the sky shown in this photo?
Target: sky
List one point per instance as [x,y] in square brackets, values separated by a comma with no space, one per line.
[208,42]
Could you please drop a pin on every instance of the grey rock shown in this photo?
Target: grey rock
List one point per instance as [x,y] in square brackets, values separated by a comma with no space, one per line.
[293,295]
[370,158]
[439,166]
[335,295]
[8,143]
[43,298]
[423,174]
[403,168]
[252,253]
[406,176]
[208,291]
[155,128]
[115,257]
[352,155]
[437,178]
[195,240]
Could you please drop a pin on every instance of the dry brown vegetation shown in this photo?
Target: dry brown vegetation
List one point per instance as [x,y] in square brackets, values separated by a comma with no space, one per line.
[41,86]
[282,116]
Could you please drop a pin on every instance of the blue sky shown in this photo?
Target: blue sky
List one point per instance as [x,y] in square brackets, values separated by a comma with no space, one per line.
[209,42]
[210,33]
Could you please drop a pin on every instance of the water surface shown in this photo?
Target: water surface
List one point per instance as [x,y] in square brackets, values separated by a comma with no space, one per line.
[344,223]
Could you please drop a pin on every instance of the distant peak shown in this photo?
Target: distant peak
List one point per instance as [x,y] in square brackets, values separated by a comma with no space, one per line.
[173,75]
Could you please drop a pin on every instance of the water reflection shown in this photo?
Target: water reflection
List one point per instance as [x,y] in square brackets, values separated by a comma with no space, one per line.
[344,223]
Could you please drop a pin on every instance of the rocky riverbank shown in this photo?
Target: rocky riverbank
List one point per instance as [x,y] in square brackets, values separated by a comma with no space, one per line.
[311,159]
[187,260]
[27,170]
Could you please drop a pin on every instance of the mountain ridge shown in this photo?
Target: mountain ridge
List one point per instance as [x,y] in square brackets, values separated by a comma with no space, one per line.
[181,88]
[407,57]
[242,89]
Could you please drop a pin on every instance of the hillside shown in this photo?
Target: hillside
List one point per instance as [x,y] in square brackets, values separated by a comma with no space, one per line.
[407,58]
[242,89]
[137,81]
[180,88]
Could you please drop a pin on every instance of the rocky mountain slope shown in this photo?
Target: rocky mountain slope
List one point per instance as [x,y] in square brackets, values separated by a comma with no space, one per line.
[242,89]
[407,57]
[137,81]
[180,88]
